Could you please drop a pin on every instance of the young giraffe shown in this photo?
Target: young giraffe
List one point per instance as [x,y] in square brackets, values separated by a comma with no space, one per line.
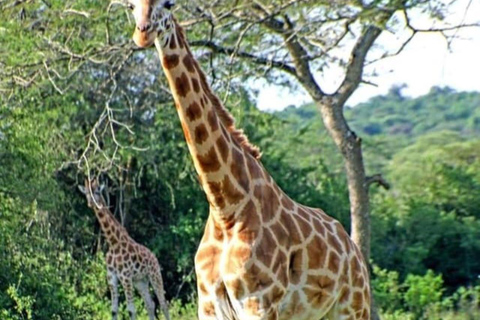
[127,261]
[262,256]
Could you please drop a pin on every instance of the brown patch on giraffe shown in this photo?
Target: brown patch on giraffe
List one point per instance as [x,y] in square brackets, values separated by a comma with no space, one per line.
[333,262]
[365,314]
[317,298]
[188,63]
[366,294]
[109,259]
[232,195]
[217,233]
[357,301]
[222,147]
[321,293]
[208,258]
[317,253]
[254,168]
[193,111]
[238,170]
[265,250]
[180,37]
[252,306]
[345,296]
[282,272]
[280,234]
[130,248]
[305,227]
[237,255]
[216,192]
[209,162]
[358,281]
[202,288]
[225,134]
[182,85]
[170,61]
[354,267]
[273,296]
[344,273]
[297,305]
[173,42]
[304,214]
[196,88]
[256,279]
[237,287]
[319,227]
[287,222]
[212,121]
[248,223]
[201,134]
[323,282]
[334,243]
[296,266]
[268,200]
[208,309]
[328,227]
[287,203]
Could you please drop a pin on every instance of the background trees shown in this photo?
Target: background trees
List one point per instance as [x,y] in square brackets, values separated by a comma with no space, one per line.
[77,97]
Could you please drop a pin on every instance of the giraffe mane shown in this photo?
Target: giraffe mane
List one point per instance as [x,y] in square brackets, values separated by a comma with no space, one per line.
[225,117]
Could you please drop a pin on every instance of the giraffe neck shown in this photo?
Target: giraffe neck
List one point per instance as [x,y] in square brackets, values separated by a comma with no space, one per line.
[227,164]
[111,228]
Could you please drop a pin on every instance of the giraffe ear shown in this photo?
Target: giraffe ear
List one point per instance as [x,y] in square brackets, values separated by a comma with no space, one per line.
[82,189]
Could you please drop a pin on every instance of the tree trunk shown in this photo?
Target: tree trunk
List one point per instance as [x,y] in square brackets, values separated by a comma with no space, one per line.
[350,146]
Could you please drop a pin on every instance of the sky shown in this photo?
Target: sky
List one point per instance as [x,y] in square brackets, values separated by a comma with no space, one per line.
[425,62]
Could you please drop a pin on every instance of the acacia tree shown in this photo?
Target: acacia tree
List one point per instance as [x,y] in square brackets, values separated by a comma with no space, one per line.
[292,41]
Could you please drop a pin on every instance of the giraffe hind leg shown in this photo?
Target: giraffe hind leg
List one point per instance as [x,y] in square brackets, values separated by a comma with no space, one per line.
[142,288]
[157,284]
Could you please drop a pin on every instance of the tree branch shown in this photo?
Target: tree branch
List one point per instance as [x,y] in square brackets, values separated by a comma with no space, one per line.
[378,179]
[242,54]
[299,55]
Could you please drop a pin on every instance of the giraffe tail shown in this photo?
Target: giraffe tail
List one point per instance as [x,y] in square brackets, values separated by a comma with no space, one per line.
[157,284]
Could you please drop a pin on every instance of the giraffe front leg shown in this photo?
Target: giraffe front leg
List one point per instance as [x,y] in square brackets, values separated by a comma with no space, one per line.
[113,285]
[142,287]
[128,289]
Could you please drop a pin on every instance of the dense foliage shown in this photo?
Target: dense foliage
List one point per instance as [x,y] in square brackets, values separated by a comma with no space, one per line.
[77,98]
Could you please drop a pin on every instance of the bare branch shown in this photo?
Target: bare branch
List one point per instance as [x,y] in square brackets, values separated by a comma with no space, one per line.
[242,54]
[378,179]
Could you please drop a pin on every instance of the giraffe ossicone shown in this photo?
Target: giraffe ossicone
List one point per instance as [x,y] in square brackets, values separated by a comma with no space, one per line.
[262,256]
[130,263]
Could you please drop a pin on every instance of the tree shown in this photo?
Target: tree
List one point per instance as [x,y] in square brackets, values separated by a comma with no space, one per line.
[306,36]
[290,40]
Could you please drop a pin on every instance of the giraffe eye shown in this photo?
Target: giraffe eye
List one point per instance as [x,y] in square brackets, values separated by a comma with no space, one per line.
[130,6]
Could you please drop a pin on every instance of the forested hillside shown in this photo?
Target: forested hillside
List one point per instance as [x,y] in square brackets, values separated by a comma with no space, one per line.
[397,115]
[78,99]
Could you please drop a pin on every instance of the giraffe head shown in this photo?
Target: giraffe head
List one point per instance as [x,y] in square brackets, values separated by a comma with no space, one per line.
[93,192]
[152,19]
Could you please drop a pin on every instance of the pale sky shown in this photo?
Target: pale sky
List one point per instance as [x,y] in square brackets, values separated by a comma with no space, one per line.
[424,63]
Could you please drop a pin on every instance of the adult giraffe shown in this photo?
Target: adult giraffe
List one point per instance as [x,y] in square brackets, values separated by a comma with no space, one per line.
[262,256]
